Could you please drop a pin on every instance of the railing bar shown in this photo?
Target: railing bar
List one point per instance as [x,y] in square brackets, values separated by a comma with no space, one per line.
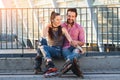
[22,34]
[33,24]
[86,29]
[112,27]
[38,23]
[107,27]
[6,29]
[102,29]
[91,29]
[2,28]
[118,20]
[11,30]
[27,31]
[17,28]
[97,27]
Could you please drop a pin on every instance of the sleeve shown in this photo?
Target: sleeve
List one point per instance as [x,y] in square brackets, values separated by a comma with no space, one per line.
[81,35]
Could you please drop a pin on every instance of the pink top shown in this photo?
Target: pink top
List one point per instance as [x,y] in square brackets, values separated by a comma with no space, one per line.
[76,32]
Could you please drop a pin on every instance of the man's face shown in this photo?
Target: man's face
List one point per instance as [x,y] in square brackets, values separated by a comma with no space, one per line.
[71,16]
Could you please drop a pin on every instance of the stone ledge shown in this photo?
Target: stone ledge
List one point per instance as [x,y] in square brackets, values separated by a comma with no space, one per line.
[87,64]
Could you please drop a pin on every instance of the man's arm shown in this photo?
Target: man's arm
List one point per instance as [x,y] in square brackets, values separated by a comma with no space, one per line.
[81,38]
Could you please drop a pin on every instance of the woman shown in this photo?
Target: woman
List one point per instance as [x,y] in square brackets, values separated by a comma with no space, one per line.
[55,37]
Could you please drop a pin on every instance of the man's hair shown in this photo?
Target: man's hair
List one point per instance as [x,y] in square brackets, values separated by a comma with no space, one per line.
[72,10]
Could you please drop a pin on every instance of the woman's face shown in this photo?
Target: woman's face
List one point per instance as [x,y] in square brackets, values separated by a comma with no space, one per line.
[57,21]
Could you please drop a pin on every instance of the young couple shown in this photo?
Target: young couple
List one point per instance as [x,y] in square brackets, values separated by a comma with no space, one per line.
[63,39]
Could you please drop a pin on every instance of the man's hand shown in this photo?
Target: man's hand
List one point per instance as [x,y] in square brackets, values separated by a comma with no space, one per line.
[81,50]
[74,43]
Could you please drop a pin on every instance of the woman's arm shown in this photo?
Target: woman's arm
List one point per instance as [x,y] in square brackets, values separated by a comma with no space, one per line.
[45,30]
[72,42]
[66,35]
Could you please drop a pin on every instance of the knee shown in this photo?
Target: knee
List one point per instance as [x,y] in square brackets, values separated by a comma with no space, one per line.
[38,58]
[76,51]
[43,47]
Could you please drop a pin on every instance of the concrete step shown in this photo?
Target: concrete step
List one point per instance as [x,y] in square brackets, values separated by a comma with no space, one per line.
[91,64]
[64,77]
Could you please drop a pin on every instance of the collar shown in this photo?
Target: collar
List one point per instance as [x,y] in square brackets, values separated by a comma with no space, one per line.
[67,24]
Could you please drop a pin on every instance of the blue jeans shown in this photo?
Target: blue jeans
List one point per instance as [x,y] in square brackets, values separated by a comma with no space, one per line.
[42,41]
[69,54]
[50,52]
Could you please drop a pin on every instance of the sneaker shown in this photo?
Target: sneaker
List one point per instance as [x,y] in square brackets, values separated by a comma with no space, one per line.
[76,69]
[66,67]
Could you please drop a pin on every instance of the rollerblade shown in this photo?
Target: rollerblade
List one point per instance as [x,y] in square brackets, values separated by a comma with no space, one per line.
[38,63]
[51,70]
[76,69]
[66,67]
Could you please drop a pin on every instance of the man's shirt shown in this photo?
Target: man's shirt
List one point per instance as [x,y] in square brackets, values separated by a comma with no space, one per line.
[76,32]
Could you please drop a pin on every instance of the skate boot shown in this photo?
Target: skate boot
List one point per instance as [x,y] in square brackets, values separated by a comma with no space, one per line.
[38,63]
[50,70]
[76,69]
[66,67]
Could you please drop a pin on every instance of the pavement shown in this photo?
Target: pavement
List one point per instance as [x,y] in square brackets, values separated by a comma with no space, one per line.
[93,67]
[64,77]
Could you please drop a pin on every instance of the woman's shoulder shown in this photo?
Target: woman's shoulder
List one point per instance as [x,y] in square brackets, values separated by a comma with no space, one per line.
[63,29]
[48,25]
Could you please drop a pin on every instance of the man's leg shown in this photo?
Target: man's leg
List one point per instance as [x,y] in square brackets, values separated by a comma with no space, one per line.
[75,67]
[70,63]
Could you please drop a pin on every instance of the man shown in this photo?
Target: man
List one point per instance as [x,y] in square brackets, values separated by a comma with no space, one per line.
[72,53]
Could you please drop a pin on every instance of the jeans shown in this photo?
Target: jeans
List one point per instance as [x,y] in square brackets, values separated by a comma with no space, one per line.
[51,51]
[69,54]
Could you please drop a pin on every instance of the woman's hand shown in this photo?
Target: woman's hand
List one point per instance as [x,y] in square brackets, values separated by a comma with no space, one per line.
[74,43]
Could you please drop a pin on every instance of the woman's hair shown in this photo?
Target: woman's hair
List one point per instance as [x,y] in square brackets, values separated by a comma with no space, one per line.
[50,33]
[53,15]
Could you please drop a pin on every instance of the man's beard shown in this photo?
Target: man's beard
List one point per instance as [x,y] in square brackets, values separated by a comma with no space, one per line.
[70,23]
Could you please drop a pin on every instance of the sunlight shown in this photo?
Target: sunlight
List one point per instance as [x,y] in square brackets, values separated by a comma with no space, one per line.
[1,4]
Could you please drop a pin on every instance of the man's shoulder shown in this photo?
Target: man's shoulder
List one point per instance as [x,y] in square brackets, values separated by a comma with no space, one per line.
[63,24]
[78,25]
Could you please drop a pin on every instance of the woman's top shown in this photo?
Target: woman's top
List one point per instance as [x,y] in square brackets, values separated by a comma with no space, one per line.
[57,40]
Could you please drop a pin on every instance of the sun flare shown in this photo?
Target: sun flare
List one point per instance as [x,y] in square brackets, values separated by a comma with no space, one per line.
[1,4]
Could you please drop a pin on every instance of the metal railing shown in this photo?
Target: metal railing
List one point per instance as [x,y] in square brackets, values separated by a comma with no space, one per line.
[20,28]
